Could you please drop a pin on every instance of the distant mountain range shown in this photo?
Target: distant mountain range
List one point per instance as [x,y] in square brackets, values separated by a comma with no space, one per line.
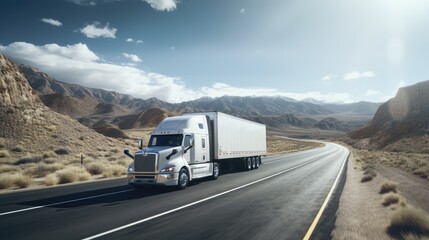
[94,106]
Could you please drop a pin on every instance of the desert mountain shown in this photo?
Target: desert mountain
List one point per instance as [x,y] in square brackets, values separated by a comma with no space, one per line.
[94,106]
[402,118]
[27,122]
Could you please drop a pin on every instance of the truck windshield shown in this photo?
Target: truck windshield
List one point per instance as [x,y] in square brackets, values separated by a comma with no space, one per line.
[165,140]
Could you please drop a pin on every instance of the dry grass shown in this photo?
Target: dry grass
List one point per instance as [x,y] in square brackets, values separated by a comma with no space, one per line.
[391,198]
[22,181]
[95,168]
[51,179]
[388,187]
[18,180]
[416,163]
[17,149]
[29,159]
[8,168]
[4,153]
[279,145]
[72,174]
[6,181]
[409,220]
[422,171]
[42,169]
[114,170]
[49,154]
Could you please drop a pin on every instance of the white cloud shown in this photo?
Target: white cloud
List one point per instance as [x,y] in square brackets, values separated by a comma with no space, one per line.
[357,75]
[371,92]
[93,31]
[327,77]
[84,2]
[51,21]
[130,40]
[139,41]
[132,57]
[242,11]
[79,65]
[172,48]
[162,5]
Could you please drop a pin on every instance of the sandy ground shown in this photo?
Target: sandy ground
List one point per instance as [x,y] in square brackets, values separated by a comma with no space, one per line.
[361,214]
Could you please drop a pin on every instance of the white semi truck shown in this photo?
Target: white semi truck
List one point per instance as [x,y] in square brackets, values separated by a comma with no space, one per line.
[195,145]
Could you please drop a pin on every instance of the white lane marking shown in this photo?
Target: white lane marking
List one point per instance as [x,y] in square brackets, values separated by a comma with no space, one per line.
[196,202]
[59,203]
[316,156]
[319,214]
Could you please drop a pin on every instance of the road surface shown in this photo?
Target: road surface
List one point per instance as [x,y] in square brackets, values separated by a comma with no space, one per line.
[291,196]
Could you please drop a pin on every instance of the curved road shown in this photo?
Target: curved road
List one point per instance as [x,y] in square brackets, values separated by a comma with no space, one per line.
[291,196]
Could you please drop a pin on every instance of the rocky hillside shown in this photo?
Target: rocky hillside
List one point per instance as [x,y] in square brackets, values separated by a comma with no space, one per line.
[28,125]
[402,118]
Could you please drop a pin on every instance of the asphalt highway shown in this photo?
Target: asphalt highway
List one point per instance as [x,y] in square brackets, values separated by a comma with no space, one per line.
[291,196]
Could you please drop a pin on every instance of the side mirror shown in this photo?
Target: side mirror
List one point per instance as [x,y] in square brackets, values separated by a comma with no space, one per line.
[171,154]
[140,143]
[127,152]
[191,144]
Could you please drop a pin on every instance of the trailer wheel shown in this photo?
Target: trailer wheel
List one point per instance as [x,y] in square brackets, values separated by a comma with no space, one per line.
[183,179]
[248,164]
[253,163]
[257,162]
[215,171]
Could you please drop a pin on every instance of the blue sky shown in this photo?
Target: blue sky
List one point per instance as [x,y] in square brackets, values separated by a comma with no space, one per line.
[331,50]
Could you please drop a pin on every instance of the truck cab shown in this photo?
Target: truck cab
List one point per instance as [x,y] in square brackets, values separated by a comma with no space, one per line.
[178,151]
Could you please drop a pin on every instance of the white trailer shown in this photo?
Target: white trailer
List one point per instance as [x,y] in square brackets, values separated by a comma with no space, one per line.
[193,146]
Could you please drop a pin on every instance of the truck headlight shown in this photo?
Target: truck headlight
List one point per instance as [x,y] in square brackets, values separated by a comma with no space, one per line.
[168,169]
[130,169]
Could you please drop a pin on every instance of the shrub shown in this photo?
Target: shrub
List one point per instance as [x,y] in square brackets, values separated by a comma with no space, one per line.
[422,172]
[49,154]
[8,168]
[17,149]
[4,153]
[366,178]
[22,181]
[6,181]
[409,220]
[42,169]
[371,172]
[51,179]
[62,151]
[68,175]
[95,168]
[29,159]
[84,175]
[388,187]
[114,170]
[389,199]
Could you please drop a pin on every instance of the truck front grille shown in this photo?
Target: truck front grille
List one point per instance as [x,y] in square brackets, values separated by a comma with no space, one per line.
[146,163]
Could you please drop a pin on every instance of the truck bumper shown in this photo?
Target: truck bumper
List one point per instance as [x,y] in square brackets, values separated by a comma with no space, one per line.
[164,179]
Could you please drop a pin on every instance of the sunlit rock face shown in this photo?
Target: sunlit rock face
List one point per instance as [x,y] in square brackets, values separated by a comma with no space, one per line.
[405,115]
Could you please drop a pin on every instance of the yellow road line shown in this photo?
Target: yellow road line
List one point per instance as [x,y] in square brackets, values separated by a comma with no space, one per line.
[319,214]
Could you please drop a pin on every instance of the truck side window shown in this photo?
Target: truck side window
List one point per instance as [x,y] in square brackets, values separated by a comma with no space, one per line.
[203,142]
[188,139]
[200,125]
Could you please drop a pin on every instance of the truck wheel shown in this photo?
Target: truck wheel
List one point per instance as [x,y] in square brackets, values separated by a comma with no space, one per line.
[183,179]
[253,163]
[215,171]
[257,162]
[248,164]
